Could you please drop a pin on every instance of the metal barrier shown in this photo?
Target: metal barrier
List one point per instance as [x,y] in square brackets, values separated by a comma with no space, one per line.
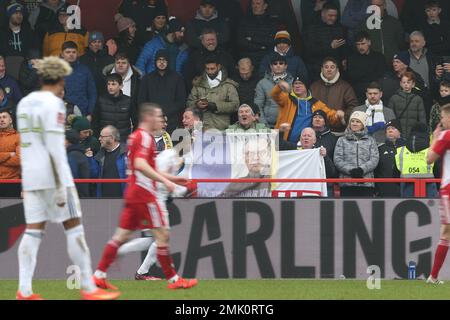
[420,190]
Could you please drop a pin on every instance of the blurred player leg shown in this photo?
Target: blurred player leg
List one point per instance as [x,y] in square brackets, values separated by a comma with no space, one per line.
[442,248]
[138,244]
[165,259]
[108,257]
[27,253]
[149,260]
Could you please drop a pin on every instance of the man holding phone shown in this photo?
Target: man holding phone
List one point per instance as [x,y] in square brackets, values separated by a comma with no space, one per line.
[325,39]
[215,96]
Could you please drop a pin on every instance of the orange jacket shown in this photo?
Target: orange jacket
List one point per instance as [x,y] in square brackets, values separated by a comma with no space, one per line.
[9,164]
[288,109]
[54,40]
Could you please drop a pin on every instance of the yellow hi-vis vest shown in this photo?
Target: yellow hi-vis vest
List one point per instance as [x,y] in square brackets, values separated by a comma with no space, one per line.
[413,165]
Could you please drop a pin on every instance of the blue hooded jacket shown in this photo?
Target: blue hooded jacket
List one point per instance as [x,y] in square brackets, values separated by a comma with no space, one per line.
[146,60]
[80,88]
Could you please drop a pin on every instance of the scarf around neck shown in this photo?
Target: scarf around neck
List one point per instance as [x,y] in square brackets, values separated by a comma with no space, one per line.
[332,81]
[377,111]
[216,81]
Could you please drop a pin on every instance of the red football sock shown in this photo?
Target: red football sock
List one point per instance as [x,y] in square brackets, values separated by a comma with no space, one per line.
[165,260]
[439,257]
[109,255]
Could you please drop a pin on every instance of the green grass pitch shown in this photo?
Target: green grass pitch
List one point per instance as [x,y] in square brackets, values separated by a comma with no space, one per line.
[248,290]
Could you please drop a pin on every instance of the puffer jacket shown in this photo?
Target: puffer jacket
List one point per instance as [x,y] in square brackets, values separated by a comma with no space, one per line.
[115,111]
[80,88]
[55,38]
[356,150]
[9,165]
[387,169]
[225,97]
[263,99]
[135,81]
[411,105]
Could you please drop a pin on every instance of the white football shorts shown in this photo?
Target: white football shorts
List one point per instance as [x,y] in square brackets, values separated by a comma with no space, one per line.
[40,206]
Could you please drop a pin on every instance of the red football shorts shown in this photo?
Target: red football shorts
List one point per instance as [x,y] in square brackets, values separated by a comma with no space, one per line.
[142,216]
[444,206]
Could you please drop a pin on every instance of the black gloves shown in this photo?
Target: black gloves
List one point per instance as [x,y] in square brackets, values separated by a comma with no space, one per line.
[357,173]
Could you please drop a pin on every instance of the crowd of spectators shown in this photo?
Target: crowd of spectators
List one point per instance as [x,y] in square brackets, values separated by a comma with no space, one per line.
[369,96]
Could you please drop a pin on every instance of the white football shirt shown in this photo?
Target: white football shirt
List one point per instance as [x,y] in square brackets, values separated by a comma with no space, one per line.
[39,116]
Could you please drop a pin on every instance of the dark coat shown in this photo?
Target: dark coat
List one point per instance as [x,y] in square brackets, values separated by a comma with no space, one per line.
[389,39]
[17,44]
[96,167]
[386,168]
[43,18]
[390,83]
[363,69]
[79,165]
[142,12]
[199,23]
[296,66]
[255,36]
[246,88]
[437,37]
[115,111]
[28,78]
[413,13]
[327,140]
[131,50]
[195,65]
[96,62]
[135,83]
[168,91]
[80,88]
[317,39]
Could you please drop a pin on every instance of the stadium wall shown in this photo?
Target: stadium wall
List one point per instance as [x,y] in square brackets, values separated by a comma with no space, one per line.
[263,238]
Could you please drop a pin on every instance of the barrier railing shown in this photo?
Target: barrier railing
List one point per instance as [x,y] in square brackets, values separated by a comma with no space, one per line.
[420,190]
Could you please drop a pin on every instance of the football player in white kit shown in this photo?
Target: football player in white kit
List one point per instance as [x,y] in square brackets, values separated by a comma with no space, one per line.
[49,193]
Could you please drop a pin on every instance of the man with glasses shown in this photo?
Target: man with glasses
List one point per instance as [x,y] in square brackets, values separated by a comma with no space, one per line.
[109,163]
[263,99]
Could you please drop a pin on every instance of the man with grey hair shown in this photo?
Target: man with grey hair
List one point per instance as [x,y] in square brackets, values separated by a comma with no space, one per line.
[247,120]
[422,61]
[109,163]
